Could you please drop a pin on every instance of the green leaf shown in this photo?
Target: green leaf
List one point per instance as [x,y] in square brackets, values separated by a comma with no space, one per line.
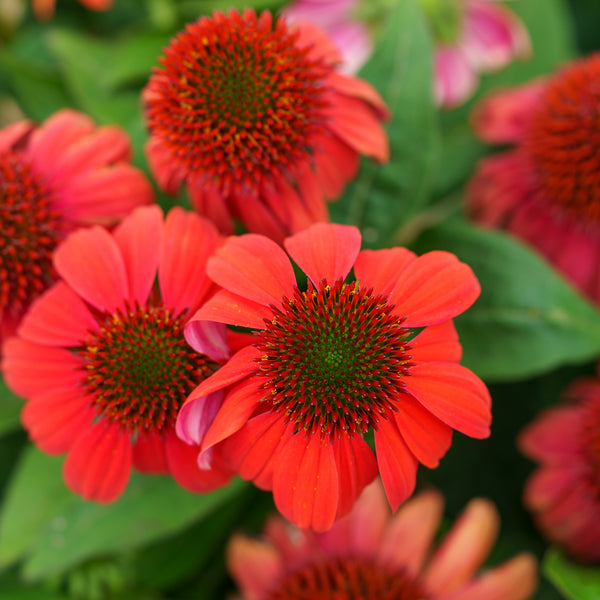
[528,319]
[53,530]
[10,409]
[385,196]
[574,581]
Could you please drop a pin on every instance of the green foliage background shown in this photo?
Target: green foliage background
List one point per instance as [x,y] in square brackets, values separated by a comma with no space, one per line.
[528,335]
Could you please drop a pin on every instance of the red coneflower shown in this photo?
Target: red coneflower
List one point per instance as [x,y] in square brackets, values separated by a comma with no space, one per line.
[252,115]
[564,492]
[371,554]
[335,363]
[101,357]
[53,178]
[546,190]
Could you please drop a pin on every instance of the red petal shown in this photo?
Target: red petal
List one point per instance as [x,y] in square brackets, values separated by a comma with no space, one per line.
[253,267]
[335,164]
[454,395]
[305,482]
[380,269]
[62,129]
[357,467]
[210,203]
[30,369]
[99,463]
[105,195]
[241,364]
[426,436]
[254,450]
[56,418]
[360,89]
[397,464]
[238,406]
[58,318]
[325,250]
[149,454]
[90,261]
[188,242]
[183,466]
[227,307]
[436,343]
[168,177]
[139,238]
[434,288]
[15,132]
[317,41]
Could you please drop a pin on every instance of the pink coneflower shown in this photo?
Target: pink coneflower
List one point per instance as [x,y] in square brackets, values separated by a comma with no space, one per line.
[335,363]
[371,554]
[252,115]
[44,9]
[546,189]
[472,37]
[349,35]
[564,492]
[53,178]
[101,357]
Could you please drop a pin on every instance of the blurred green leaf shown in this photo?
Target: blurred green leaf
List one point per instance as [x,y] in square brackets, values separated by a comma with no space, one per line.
[528,319]
[54,530]
[10,409]
[574,581]
[385,196]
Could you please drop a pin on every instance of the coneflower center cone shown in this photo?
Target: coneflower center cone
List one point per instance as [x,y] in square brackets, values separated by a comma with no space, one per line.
[30,230]
[334,359]
[139,369]
[346,579]
[237,99]
[563,141]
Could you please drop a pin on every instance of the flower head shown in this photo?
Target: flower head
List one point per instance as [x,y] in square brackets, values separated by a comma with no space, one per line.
[471,36]
[564,491]
[54,178]
[101,357]
[546,189]
[372,554]
[336,362]
[252,115]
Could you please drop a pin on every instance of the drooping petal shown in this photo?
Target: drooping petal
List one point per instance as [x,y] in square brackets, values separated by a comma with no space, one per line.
[30,369]
[454,395]
[167,174]
[426,436]
[325,251]
[62,129]
[139,238]
[208,338]
[409,536]
[148,454]
[361,89]
[14,133]
[464,548]
[254,565]
[503,117]
[91,263]
[305,482]
[357,467]
[58,318]
[241,364]
[454,78]
[103,146]
[104,195]
[548,485]
[436,343]
[208,200]
[397,464]
[196,416]
[188,242]
[516,579]
[253,267]
[55,419]
[380,269]
[182,460]
[99,463]
[228,307]
[335,164]
[434,288]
